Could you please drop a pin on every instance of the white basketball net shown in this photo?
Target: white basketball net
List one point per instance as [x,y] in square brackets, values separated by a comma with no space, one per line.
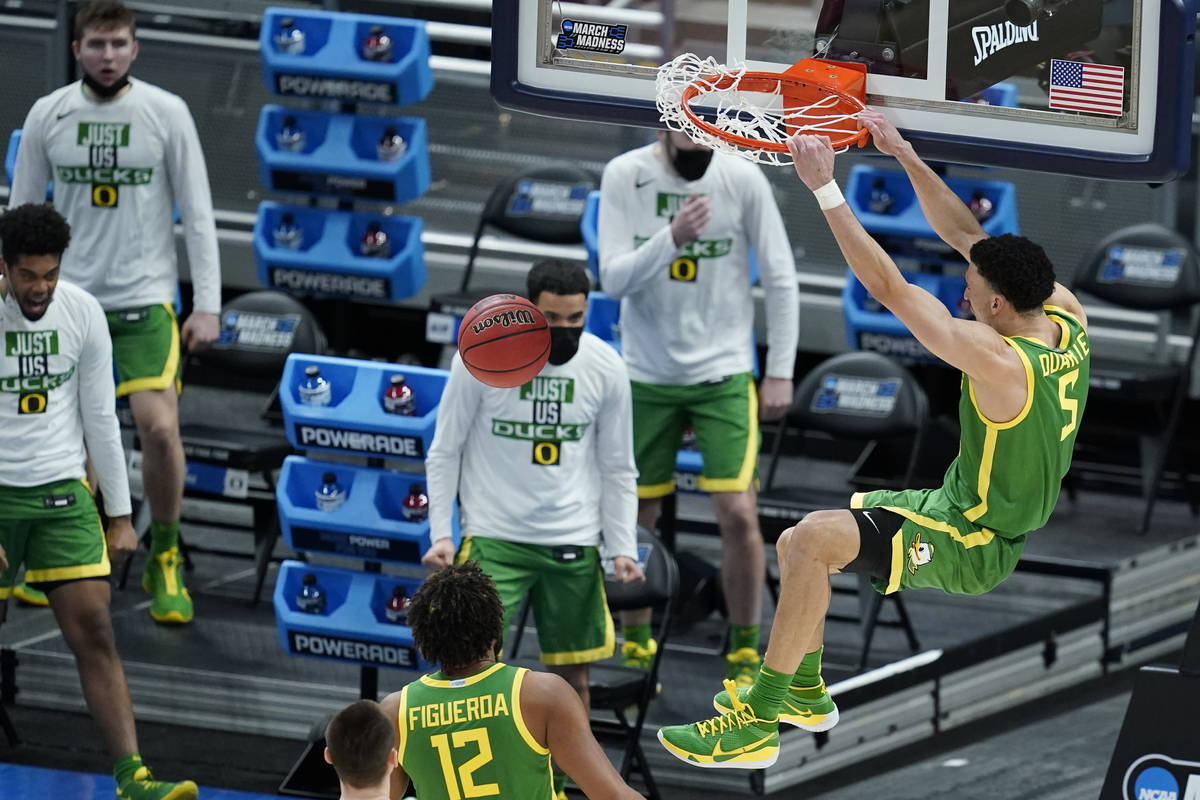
[753,114]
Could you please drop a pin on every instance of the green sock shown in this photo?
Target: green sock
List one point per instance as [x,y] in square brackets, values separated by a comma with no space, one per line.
[637,633]
[767,693]
[743,636]
[163,536]
[807,679]
[125,768]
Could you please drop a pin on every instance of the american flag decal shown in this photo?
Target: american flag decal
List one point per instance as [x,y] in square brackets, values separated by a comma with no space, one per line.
[1092,88]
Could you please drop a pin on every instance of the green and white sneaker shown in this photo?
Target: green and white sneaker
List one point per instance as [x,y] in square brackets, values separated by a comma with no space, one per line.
[142,786]
[736,739]
[170,602]
[811,709]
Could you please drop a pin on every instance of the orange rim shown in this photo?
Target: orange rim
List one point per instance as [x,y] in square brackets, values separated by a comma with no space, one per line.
[793,88]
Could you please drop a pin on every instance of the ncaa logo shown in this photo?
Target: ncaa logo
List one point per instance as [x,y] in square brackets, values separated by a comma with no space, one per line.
[1156,783]
[1157,777]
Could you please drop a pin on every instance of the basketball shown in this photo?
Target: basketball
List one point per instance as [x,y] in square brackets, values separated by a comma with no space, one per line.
[504,341]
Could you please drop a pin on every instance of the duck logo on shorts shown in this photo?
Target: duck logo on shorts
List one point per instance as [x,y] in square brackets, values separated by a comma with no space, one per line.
[919,554]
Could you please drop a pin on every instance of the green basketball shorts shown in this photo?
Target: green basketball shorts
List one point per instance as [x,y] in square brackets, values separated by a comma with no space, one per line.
[566,592]
[724,415]
[937,546]
[54,530]
[145,349]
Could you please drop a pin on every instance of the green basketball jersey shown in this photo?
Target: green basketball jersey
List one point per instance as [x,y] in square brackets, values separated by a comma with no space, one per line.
[464,738]
[1007,476]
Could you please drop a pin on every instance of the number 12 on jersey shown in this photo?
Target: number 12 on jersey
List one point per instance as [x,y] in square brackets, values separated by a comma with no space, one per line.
[462,786]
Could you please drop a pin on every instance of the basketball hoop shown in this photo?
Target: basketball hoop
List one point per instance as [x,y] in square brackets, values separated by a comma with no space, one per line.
[752,114]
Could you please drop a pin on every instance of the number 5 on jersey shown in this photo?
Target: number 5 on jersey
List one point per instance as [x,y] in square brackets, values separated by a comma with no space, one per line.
[462,786]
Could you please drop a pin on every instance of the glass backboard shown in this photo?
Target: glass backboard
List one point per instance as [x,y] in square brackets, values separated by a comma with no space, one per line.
[1098,88]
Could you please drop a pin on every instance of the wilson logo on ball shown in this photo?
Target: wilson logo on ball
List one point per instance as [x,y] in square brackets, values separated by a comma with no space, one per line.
[506,319]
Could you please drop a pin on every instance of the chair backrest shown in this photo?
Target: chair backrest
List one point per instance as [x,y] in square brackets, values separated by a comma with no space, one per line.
[662,578]
[544,204]
[861,395]
[1147,267]
[258,331]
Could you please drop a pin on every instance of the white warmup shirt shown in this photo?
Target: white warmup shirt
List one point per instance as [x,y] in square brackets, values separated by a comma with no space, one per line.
[56,393]
[548,463]
[687,312]
[117,169]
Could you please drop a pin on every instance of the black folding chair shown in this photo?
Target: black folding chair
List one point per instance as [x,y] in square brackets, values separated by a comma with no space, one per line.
[861,397]
[542,204]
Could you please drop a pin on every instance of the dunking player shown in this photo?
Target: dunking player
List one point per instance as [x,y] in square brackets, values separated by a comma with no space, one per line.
[479,728]
[1025,362]
[56,396]
[677,222]
[120,153]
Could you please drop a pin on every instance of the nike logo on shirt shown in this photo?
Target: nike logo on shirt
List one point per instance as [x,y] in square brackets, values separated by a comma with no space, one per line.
[65,114]
[640,184]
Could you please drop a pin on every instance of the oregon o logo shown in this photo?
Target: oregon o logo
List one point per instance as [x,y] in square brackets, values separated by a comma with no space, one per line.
[104,195]
[683,269]
[33,403]
[546,453]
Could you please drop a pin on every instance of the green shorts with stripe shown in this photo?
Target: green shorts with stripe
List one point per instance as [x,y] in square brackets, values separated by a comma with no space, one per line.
[724,415]
[566,593]
[937,546]
[54,530]
[145,349]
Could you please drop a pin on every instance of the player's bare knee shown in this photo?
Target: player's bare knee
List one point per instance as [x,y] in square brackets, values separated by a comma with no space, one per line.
[812,538]
[89,634]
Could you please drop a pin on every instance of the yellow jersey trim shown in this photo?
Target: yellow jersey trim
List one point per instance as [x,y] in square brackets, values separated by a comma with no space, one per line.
[985,474]
[5,592]
[464,550]
[163,381]
[594,654]
[856,499]
[402,727]
[453,683]
[1012,423]
[519,718]
[897,570]
[1063,312]
[749,459]
[656,490]
[78,571]
[977,538]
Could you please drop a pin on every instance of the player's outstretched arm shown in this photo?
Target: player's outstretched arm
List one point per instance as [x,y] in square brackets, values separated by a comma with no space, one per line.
[947,214]
[556,717]
[970,346]
[390,706]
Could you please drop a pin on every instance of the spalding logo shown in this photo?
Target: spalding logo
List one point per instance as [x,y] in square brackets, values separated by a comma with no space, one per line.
[505,319]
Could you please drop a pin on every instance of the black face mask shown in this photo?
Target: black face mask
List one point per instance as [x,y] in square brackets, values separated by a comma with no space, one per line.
[102,91]
[690,164]
[564,343]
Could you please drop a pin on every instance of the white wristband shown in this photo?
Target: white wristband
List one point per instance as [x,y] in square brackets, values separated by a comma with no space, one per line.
[829,196]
